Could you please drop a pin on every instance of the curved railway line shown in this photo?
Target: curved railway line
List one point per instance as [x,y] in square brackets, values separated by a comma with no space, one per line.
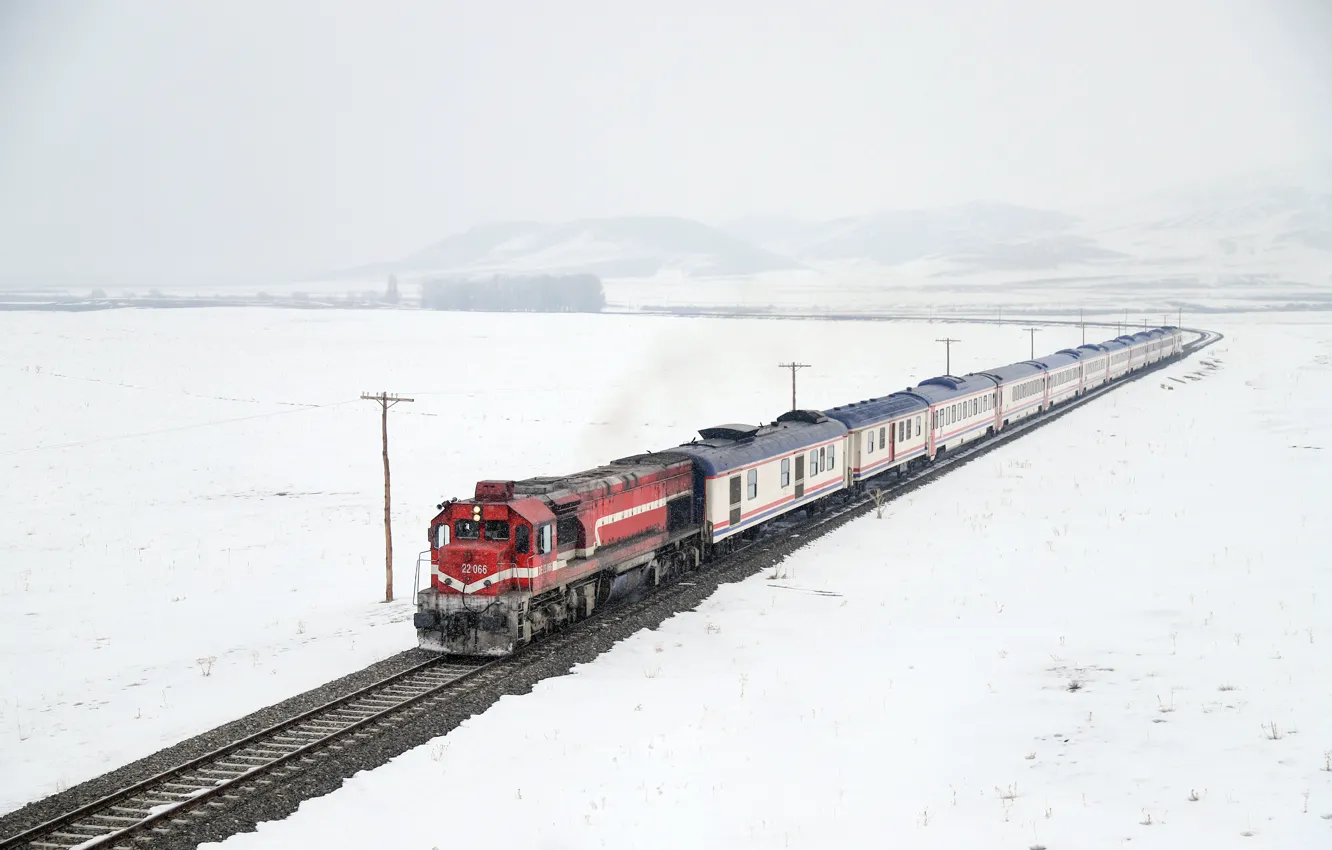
[175,801]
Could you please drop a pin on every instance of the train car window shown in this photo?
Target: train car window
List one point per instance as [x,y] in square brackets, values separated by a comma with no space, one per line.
[901,430]
[467,529]
[813,463]
[882,441]
[497,529]
[823,460]
[521,539]
[917,426]
[786,472]
[545,539]
[751,483]
[933,424]
[869,442]
[441,535]
[832,455]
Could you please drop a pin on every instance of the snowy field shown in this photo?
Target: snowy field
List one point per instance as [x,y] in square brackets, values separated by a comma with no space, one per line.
[1113,633]
[205,484]
[194,484]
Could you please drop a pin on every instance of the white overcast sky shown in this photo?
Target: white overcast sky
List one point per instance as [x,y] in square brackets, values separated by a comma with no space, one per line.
[258,138]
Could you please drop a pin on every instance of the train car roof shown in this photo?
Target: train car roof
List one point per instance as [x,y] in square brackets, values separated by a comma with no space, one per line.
[858,414]
[1013,372]
[1057,360]
[1091,349]
[727,447]
[947,387]
[1114,344]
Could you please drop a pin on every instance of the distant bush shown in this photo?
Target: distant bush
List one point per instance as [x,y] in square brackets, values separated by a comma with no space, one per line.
[575,293]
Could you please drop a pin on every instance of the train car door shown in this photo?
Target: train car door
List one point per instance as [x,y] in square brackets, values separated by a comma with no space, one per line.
[735,501]
[931,442]
[800,475]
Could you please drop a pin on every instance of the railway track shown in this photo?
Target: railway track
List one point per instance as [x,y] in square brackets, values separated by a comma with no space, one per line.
[180,798]
[172,798]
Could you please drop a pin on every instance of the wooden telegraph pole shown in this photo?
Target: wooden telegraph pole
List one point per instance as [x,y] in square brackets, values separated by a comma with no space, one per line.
[948,353]
[1033,332]
[793,367]
[385,402]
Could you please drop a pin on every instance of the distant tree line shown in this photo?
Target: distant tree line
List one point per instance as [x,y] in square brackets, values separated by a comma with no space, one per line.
[539,293]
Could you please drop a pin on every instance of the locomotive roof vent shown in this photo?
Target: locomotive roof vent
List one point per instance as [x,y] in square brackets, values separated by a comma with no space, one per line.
[494,491]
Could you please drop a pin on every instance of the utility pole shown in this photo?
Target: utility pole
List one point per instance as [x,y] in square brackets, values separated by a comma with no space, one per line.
[793,366]
[948,353]
[1084,327]
[385,402]
[1180,321]
[1033,332]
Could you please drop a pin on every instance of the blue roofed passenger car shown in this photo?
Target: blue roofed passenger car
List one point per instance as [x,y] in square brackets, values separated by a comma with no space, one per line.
[1021,390]
[883,433]
[745,475]
[961,409]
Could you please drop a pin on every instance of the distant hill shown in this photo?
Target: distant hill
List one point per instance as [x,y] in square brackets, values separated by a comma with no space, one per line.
[1004,234]
[1266,225]
[637,246]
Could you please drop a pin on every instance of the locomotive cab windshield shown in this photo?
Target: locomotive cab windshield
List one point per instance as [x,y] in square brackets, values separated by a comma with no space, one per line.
[500,530]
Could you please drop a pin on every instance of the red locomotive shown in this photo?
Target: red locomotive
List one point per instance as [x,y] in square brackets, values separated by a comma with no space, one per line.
[523,557]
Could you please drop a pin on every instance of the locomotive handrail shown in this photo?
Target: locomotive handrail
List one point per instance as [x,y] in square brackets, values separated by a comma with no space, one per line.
[416,580]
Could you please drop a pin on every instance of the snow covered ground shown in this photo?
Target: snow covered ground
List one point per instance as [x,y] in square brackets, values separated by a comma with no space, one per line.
[1111,633]
[182,485]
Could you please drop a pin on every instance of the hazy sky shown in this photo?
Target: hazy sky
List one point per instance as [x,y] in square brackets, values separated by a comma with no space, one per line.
[278,138]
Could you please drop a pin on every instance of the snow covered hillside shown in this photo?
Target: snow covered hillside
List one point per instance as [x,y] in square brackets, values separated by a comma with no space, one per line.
[613,247]
[1111,633]
[1264,242]
[193,484]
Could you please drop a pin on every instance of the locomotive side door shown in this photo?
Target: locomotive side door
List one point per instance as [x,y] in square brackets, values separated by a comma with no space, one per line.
[800,475]
[892,441]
